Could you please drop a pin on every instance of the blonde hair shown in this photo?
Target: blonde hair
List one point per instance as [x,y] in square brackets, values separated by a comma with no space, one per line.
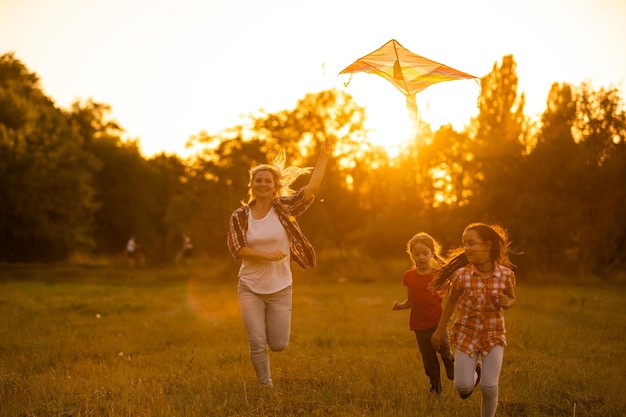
[283,177]
[428,241]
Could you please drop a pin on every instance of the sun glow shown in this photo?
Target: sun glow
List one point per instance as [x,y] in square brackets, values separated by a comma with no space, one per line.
[386,116]
[388,119]
[389,127]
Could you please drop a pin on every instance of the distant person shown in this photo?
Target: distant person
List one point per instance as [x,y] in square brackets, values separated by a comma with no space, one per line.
[265,235]
[187,247]
[134,252]
[185,251]
[481,285]
[426,307]
[131,247]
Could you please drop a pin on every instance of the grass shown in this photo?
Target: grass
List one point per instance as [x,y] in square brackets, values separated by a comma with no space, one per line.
[102,341]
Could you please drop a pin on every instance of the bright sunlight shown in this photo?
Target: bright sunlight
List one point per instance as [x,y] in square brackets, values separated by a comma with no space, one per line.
[388,119]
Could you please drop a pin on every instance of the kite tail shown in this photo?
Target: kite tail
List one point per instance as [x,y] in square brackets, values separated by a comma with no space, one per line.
[411,106]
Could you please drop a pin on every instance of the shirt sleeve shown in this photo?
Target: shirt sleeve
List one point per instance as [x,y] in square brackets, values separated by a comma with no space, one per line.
[456,281]
[405,279]
[297,203]
[511,281]
[236,238]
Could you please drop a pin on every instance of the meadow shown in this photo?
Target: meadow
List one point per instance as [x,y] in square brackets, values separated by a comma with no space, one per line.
[113,341]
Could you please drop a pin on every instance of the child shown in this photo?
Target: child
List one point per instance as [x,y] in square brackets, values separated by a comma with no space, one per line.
[426,307]
[481,285]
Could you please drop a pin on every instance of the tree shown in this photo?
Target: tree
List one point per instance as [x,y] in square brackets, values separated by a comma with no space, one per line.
[600,130]
[46,176]
[552,177]
[499,143]
[133,193]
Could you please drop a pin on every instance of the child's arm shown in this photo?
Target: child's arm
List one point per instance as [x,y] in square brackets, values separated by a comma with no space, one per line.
[448,310]
[403,305]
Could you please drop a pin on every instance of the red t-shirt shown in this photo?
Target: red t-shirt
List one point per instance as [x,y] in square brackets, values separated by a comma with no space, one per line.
[426,306]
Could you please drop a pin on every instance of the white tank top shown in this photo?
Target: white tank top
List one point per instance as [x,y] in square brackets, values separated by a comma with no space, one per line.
[267,235]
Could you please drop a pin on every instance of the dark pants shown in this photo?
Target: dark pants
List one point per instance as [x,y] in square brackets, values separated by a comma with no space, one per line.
[429,357]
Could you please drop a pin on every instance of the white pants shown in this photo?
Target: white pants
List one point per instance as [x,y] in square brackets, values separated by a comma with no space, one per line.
[465,377]
[267,319]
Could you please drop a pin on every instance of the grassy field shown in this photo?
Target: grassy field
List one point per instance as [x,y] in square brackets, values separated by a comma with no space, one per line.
[80,341]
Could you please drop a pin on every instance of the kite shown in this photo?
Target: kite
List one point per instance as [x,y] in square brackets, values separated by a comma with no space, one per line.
[409,72]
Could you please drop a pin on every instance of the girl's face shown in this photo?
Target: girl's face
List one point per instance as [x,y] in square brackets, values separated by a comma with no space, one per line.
[476,249]
[263,185]
[422,257]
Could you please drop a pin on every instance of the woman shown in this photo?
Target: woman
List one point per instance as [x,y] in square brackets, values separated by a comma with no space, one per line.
[481,285]
[265,235]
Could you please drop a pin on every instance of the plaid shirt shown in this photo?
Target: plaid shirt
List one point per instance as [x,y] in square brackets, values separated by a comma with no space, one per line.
[287,209]
[480,323]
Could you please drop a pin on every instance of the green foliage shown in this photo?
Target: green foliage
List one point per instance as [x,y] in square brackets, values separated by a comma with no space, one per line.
[70,182]
[110,342]
[45,175]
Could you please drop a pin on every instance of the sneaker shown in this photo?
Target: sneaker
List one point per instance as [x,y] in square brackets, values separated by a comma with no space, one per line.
[479,371]
[267,384]
[436,389]
[465,396]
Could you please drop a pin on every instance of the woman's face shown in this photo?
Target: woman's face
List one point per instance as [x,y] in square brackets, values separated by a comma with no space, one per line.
[476,249]
[263,185]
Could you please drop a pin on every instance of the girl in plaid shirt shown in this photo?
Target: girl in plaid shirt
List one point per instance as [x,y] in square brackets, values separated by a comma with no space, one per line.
[481,285]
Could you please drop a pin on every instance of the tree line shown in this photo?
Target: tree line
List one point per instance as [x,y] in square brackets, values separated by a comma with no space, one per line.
[70,183]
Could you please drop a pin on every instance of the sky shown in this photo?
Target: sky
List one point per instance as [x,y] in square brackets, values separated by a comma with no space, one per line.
[171,69]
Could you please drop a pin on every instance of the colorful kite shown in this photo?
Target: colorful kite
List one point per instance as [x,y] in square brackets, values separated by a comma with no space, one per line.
[409,72]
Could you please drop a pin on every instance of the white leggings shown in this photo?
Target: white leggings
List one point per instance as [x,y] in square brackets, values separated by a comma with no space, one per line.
[267,319]
[465,377]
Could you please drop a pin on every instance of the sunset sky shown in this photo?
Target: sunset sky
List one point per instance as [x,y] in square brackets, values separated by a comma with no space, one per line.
[170,69]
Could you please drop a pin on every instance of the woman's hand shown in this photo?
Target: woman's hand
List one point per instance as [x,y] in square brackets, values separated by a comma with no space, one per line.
[277,255]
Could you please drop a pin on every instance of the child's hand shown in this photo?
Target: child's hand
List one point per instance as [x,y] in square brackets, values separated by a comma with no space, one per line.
[501,299]
[437,338]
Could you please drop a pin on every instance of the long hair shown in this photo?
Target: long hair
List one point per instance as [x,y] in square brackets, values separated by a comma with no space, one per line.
[455,260]
[498,253]
[283,177]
